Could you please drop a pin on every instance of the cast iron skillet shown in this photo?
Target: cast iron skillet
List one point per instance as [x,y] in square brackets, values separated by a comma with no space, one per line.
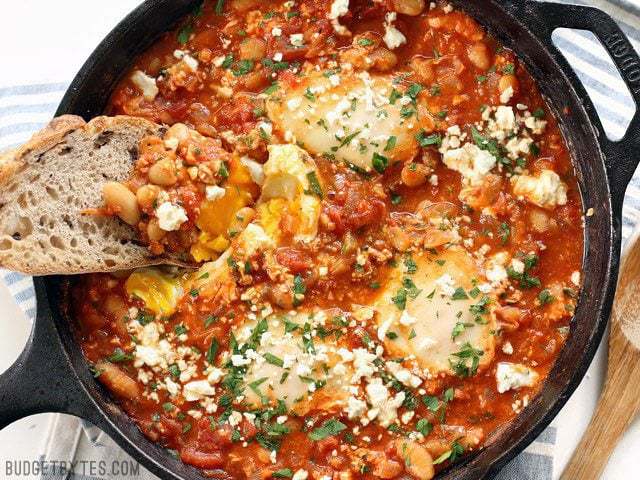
[51,374]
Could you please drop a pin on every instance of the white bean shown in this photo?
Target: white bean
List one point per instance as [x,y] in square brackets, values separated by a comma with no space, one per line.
[122,201]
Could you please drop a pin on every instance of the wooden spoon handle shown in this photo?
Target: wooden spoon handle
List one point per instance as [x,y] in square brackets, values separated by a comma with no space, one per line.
[617,407]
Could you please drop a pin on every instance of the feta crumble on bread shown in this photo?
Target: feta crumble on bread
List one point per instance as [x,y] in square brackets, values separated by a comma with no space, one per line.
[170,216]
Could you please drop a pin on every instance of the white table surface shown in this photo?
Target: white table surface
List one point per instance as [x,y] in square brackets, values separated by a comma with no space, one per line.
[72,36]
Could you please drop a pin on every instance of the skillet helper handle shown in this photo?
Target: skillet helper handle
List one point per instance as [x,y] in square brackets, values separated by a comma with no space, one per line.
[622,156]
[41,379]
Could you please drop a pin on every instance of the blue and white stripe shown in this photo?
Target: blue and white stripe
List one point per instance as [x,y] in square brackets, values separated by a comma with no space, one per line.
[26,108]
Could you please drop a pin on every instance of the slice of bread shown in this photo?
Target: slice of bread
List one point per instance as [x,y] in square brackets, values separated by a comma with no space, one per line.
[46,184]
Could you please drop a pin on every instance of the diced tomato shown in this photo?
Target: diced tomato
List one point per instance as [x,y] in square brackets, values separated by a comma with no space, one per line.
[295,260]
[200,459]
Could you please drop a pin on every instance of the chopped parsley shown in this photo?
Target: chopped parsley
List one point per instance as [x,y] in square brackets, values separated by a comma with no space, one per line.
[328,429]
[282,473]
[227,62]
[379,162]
[174,370]
[459,294]
[425,140]
[509,69]
[458,328]
[504,232]
[212,351]
[454,453]
[545,297]
[410,265]
[424,426]
[314,185]
[273,360]
[210,320]
[185,33]
[395,95]
[242,67]
[299,289]
[538,113]
[524,279]
[391,143]
[309,95]
[119,356]
[466,361]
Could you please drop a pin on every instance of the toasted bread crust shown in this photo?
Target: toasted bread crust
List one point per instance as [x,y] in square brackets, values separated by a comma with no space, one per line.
[47,183]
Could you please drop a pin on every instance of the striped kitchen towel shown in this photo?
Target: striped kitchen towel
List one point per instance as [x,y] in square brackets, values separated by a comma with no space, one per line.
[25,106]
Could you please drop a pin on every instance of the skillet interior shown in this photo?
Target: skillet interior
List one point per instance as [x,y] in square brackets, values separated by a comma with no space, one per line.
[88,96]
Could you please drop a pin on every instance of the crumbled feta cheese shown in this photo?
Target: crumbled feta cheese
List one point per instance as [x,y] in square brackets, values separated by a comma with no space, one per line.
[338,9]
[277,57]
[190,62]
[296,39]
[363,364]
[545,190]
[393,37]
[215,376]
[403,375]
[518,146]
[427,342]
[505,118]
[517,265]
[197,389]
[407,416]
[575,278]
[355,408]
[406,319]
[300,475]
[384,328]
[496,274]
[445,283]
[276,31]
[239,361]
[172,387]
[385,408]
[512,376]
[146,84]
[334,80]
[534,124]
[256,170]
[506,96]
[471,161]
[235,418]
[214,192]
[294,103]
[170,216]
[507,348]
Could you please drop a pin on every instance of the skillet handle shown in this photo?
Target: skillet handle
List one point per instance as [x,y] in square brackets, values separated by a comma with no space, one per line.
[42,379]
[621,157]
